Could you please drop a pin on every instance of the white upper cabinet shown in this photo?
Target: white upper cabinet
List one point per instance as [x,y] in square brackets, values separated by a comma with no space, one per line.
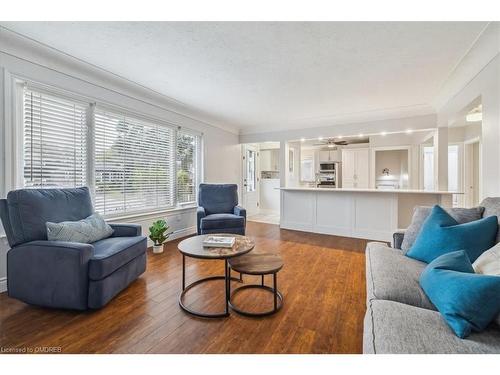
[269,160]
[355,168]
[329,155]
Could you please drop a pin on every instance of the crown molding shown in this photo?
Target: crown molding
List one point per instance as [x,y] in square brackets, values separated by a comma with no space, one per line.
[35,52]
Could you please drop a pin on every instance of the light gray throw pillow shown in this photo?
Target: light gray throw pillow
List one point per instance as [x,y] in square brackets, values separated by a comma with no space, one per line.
[88,230]
[420,213]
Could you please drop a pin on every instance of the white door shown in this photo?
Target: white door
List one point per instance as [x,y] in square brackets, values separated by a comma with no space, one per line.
[427,167]
[471,174]
[250,179]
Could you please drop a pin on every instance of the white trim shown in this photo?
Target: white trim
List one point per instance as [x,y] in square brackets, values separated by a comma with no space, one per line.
[182,233]
[139,216]
[3,284]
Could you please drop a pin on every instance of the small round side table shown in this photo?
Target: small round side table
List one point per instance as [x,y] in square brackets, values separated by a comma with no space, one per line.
[193,247]
[258,263]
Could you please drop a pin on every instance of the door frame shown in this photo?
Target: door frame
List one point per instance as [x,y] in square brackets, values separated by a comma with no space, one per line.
[255,148]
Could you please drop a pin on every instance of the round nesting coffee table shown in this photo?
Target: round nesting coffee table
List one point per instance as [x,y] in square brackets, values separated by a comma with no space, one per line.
[193,247]
[258,263]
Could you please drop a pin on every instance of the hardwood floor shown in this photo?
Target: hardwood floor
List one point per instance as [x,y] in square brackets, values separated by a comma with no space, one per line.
[323,283]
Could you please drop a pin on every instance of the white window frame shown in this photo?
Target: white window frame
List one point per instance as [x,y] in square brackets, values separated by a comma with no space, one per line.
[14,139]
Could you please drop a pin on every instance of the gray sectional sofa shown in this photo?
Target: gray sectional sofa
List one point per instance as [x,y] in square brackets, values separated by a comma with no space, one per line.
[400,318]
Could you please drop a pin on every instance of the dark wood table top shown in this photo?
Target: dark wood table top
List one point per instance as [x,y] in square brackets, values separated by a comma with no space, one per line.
[257,263]
[193,247]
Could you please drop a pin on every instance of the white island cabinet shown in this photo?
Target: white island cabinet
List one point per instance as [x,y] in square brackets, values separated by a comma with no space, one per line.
[360,213]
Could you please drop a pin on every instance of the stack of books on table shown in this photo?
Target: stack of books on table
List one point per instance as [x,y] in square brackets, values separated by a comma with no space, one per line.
[218,241]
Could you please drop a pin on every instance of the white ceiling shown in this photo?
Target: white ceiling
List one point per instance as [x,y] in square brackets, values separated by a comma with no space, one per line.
[263,76]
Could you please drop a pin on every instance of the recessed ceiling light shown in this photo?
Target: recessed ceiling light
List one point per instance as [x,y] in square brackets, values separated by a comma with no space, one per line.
[474,117]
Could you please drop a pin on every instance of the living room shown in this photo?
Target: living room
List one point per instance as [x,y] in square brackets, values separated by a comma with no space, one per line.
[287,186]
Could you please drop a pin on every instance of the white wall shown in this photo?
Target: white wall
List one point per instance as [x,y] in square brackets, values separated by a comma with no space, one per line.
[478,76]
[368,127]
[20,57]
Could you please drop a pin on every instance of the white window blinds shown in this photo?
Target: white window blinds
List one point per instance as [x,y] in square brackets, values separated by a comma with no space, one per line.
[54,141]
[134,164]
[187,166]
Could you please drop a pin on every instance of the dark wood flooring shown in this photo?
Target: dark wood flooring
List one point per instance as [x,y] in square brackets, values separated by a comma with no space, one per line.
[323,283]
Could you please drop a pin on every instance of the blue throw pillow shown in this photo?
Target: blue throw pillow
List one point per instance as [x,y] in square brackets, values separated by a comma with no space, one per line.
[466,300]
[441,234]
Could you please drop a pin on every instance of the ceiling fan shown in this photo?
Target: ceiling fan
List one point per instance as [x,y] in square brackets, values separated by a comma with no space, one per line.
[332,142]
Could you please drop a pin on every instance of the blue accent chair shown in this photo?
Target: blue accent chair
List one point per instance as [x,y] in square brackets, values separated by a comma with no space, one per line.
[218,210]
[62,274]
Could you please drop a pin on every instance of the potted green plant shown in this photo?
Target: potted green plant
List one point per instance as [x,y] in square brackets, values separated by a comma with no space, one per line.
[158,234]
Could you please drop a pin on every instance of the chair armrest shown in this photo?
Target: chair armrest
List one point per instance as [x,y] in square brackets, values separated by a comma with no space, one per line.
[126,230]
[200,214]
[398,239]
[50,273]
[240,211]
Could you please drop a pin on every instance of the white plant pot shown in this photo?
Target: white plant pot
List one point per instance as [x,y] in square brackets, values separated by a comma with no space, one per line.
[158,249]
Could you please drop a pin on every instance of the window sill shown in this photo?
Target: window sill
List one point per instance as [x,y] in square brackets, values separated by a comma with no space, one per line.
[151,214]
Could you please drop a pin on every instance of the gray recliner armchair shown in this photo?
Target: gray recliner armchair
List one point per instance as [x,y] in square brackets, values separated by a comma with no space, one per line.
[66,274]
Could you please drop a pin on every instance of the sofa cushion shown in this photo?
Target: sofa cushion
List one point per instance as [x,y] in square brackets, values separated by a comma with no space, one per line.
[420,213]
[467,301]
[392,276]
[30,209]
[216,221]
[492,208]
[393,327]
[218,198]
[112,253]
[441,234]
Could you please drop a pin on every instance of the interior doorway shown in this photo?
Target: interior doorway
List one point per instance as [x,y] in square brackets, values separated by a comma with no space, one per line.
[261,181]
[472,167]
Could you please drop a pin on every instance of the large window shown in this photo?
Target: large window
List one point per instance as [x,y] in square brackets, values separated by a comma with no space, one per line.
[55,133]
[131,165]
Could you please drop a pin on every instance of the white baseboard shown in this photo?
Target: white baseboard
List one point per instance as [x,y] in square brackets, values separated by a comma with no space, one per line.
[3,284]
[178,234]
[182,233]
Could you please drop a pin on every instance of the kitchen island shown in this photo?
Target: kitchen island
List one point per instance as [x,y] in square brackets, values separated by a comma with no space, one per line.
[360,213]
